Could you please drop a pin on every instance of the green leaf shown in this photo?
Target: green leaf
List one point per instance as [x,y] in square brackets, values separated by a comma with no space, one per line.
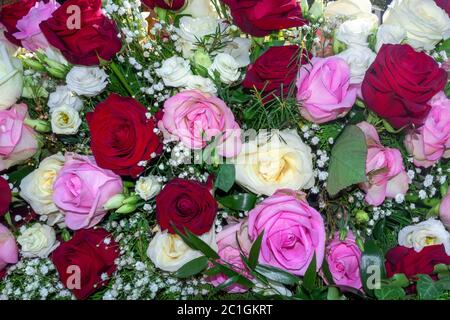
[399,280]
[239,202]
[277,275]
[192,268]
[444,283]
[228,282]
[348,160]
[389,292]
[327,273]
[254,252]
[201,245]
[333,294]
[427,288]
[372,266]
[225,177]
[309,279]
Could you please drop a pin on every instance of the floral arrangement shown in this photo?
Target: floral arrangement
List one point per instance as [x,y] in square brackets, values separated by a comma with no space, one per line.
[214,149]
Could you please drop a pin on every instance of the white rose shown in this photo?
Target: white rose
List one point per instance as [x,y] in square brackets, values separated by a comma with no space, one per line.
[37,241]
[203,84]
[354,32]
[275,160]
[426,233]
[64,97]
[199,8]
[359,59]
[147,187]
[239,49]
[12,48]
[175,72]
[87,81]
[11,78]
[425,23]
[227,68]
[37,188]
[65,120]
[352,9]
[389,34]
[169,252]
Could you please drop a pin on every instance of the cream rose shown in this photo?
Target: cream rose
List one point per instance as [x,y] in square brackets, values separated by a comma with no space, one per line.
[147,187]
[37,188]
[227,68]
[354,32]
[199,8]
[275,160]
[426,233]
[175,72]
[389,34]
[11,78]
[87,81]
[203,84]
[425,23]
[352,9]
[169,252]
[37,241]
[63,96]
[359,59]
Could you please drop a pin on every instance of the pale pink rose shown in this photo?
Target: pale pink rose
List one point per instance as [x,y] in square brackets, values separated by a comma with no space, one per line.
[344,258]
[82,188]
[195,118]
[29,31]
[324,91]
[17,140]
[385,171]
[9,253]
[229,251]
[444,211]
[293,232]
[431,142]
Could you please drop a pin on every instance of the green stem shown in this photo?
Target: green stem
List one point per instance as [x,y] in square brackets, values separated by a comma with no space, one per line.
[121,78]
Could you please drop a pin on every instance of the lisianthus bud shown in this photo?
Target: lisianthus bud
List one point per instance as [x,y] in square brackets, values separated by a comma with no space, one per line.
[362,217]
[38,125]
[201,59]
[126,208]
[33,64]
[115,202]
[132,199]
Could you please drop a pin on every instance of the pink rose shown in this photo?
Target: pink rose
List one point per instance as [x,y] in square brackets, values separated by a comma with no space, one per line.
[29,31]
[293,232]
[444,211]
[17,140]
[229,252]
[431,142]
[9,253]
[195,118]
[324,89]
[343,258]
[82,188]
[384,168]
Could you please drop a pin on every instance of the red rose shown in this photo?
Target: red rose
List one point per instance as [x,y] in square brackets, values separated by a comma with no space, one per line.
[96,37]
[11,13]
[88,252]
[444,4]
[186,203]
[399,84]
[275,70]
[165,4]
[261,17]
[5,196]
[411,263]
[122,136]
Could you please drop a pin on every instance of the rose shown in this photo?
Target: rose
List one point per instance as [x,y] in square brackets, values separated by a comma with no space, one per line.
[359,60]
[239,49]
[29,32]
[226,67]
[18,141]
[95,37]
[262,17]
[11,78]
[389,34]
[186,204]
[10,47]
[37,241]
[168,252]
[344,259]
[122,137]
[425,23]
[175,72]
[13,12]
[431,142]
[147,187]
[87,81]
[444,211]
[229,251]
[354,32]
[411,263]
[81,189]
[400,83]
[274,160]
[275,70]
[423,234]
[63,96]
[384,167]
[196,118]
[199,8]
[204,85]
[293,232]
[90,254]
[324,91]
[5,196]
[9,253]
[65,120]
[37,188]
[354,9]
[165,4]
